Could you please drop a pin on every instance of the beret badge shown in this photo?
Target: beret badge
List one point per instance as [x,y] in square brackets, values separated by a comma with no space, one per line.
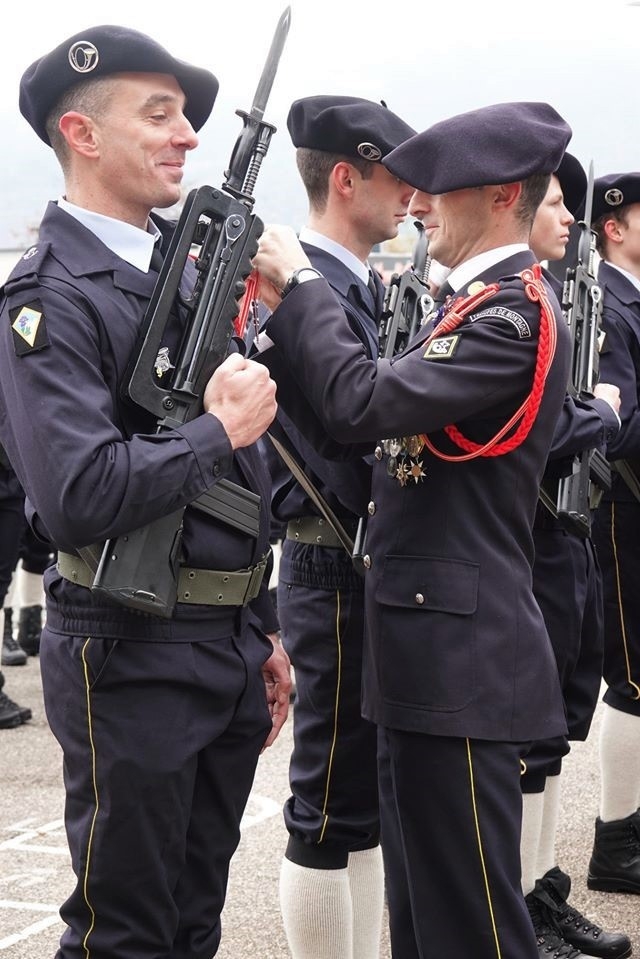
[83,56]
[369,151]
[614,197]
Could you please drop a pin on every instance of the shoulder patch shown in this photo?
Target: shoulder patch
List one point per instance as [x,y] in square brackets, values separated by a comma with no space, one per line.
[28,327]
[522,327]
[442,348]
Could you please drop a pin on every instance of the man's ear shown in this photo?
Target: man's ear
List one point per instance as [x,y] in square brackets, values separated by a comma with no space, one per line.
[506,195]
[79,132]
[613,230]
[342,177]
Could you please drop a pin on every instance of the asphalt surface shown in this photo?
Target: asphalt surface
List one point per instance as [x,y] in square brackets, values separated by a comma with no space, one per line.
[35,875]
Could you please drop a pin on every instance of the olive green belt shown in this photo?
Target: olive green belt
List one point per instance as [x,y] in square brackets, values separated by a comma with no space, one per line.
[314,530]
[204,587]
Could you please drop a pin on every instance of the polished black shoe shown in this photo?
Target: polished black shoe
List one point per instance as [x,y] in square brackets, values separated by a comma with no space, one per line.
[615,862]
[12,652]
[30,629]
[9,713]
[582,933]
[543,911]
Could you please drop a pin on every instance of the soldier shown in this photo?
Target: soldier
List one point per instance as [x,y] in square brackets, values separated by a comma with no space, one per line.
[161,720]
[331,881]
[615,863]
[567,585]
[459,673]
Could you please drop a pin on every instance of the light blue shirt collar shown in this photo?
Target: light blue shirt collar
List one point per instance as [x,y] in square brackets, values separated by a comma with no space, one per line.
[340,252]
[460,275]
[126,241]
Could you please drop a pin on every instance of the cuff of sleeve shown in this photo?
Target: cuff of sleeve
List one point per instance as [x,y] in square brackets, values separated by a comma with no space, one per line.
[210,443]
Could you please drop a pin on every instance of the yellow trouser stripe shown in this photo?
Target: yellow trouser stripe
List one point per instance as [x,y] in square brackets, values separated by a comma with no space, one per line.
[480,849]
[623,630]
[95,792]
[335,716]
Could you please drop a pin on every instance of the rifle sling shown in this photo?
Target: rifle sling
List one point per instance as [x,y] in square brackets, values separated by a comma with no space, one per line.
[313,494]
[629,476]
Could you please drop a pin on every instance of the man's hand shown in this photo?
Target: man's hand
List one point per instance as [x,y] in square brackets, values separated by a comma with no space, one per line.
[243,397]
[279,254]
[277,681]
[610,393]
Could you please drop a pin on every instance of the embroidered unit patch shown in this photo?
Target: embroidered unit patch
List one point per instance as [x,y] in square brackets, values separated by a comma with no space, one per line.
[521,325]
[29,328]
[441,348]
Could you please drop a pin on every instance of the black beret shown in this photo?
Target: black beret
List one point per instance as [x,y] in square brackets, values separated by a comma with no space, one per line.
[613,191]
[98,52]
[573,183]
[349,126]
[502,143]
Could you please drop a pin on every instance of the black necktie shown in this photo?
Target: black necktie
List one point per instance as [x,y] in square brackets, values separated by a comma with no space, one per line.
[372,286]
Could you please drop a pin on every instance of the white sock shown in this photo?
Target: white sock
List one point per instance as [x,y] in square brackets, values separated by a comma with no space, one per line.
[30,589]
[619,764]
[366,881]
[316,911]
[11,592]
[532,807]
[549,826]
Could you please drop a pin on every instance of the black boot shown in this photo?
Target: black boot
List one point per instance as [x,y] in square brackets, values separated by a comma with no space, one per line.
[29,629]
[575,929]
[543,912]
[615,861]
[12,653]
[11,714]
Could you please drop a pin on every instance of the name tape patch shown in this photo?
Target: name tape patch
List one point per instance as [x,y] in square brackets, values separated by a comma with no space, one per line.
[519,322]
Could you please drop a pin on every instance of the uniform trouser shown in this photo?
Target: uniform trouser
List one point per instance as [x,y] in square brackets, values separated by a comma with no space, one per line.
[160,744]
[568,587]
[12,524]
[616,533]
[451,819]
[333,809]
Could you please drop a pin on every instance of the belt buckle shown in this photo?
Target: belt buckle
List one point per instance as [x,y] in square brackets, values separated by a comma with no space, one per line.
[255,580]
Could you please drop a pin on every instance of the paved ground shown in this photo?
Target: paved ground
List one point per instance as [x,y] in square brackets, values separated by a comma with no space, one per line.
[35,874]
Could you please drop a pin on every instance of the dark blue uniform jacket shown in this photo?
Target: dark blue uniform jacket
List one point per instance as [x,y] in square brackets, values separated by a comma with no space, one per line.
[456,642]
[91,464]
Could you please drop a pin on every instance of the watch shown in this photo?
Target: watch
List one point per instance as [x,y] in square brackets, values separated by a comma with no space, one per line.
[300,276]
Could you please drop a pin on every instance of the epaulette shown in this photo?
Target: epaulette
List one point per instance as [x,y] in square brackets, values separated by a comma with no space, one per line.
[28,266]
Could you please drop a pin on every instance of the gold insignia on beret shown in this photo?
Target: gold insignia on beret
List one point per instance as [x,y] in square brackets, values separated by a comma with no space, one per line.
[614,197]
[476,287]
[26,324]
[441,348]
[369,151]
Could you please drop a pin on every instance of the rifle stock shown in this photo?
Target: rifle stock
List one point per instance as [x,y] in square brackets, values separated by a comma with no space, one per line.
[140,569]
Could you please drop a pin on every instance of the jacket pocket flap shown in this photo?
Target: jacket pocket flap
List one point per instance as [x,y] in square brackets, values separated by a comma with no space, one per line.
[429,583]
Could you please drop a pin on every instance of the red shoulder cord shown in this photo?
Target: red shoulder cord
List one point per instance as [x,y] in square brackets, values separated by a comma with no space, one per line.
[527,412]
[246,305]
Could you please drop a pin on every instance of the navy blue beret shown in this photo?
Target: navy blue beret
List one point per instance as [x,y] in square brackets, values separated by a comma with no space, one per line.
[99,52]
[573,183]
[350,126]
[502,143]
[613,191]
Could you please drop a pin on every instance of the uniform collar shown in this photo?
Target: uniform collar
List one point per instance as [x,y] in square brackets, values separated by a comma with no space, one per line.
[130,243]
[628,276]
[340,252]
[462,274]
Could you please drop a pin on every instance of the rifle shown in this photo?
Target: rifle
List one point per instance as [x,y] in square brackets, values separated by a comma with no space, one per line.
[407,301]
[140,569]
[580,492]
